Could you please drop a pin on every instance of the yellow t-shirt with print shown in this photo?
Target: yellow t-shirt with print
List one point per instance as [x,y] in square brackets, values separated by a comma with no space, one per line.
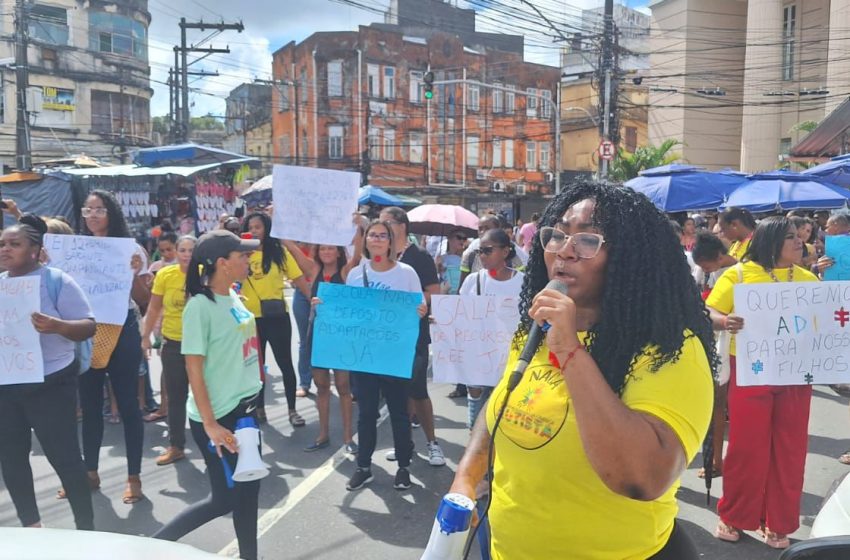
[170,284]
[548,502]
[722,297]
[738,249]
[259,285]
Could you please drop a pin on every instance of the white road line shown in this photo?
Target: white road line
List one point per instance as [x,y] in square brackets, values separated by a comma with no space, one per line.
[288,503]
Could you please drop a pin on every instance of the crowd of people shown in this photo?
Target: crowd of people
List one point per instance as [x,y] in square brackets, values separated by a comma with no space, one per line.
[638,365]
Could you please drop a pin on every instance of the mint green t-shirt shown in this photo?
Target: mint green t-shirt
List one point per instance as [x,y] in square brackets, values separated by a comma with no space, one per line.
[224,332]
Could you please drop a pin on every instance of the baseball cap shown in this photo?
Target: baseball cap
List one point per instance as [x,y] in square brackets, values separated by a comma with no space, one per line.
[219,244]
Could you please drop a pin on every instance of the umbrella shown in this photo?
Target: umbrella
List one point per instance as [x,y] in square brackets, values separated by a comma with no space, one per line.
[373,195]
[440,219]
[677,188]
[784,190]
[836,171]
[187,154]
[260,193]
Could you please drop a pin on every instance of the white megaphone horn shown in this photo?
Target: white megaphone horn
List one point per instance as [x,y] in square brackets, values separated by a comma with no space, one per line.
[250,464]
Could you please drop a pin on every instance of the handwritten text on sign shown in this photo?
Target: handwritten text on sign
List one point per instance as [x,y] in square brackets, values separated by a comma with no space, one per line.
[20,344]
[314,205]
[366,330]
[101,266]
[794,333]
[471,337]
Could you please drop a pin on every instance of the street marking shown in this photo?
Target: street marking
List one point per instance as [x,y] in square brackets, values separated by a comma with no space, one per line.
[288,503]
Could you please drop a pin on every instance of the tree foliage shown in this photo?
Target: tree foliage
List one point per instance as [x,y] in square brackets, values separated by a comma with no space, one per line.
[629,165]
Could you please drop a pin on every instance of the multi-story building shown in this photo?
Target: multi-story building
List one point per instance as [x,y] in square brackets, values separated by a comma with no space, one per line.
[248,123]
[356,100]
[733,82]
[89,78]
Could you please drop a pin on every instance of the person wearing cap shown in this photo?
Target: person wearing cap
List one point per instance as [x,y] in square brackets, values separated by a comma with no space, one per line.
[220,345]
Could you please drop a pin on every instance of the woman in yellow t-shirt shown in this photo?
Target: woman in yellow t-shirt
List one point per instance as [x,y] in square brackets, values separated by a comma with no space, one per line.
[737,226]
[766,423]
[615,403]
[271,266]
[168,297]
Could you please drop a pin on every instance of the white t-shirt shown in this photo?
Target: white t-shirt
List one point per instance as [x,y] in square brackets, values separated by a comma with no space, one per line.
[470,256]
[490,286]
[401,277]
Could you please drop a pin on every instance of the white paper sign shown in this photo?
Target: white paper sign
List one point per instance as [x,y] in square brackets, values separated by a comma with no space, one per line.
[314,205]
[101,266]
[471,337]
[794,333]
[20,344]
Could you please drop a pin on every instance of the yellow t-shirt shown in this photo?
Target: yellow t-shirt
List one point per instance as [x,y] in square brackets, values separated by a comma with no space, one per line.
[722,297]
[739,248]
[260,285]
[548,502]
[170,283]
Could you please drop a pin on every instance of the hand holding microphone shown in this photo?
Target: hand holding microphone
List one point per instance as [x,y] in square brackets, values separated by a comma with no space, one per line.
[553,307]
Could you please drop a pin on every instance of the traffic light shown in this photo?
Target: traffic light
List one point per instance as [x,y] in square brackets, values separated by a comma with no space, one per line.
[428,79]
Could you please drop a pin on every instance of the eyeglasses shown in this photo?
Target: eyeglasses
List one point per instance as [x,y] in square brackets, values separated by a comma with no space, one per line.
[586,245]
[378,236]
[488,250]
[94,212]
[460,237]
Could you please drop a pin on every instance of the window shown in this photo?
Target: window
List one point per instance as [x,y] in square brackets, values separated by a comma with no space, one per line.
[335,138]
[498,99]
[283,92]
[789,24]
[335,78]
[544,156]
[285,147]
[389,82]
[546,104]
[510,100]
[509,153]
[48,24]
[784,146]
[117,34]
[374,144]
[373,80]
[389,145]
[530,154]
[114,113]
[630,139]
[497,152]
[474,103]
[417,143]
[531,102]
[472,151]
[416,86]
[305,148]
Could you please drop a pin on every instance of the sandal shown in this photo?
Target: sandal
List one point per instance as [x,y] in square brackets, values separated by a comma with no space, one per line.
[155,416]
[715,472]
[727,533]
[457,394]
[133,491]
[295,419]
[844,459]
[773,540]
[94,484]
[301,392]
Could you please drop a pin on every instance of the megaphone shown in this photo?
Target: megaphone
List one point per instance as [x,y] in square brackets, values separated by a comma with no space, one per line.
[451,528]
[250,464]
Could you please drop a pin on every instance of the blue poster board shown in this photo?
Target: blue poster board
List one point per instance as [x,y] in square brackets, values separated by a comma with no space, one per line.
[838,247]
[366,330]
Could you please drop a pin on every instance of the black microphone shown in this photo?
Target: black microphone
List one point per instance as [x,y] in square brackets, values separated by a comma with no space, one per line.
[535,337]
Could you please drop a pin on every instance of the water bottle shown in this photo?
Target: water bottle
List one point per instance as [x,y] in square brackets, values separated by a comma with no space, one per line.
[451,528]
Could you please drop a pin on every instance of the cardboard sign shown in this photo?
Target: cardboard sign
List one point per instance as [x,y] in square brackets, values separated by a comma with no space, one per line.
[795,333]
[20,344]
[314,205]
[471,337]
[101,266]
[838,247]
[366,330]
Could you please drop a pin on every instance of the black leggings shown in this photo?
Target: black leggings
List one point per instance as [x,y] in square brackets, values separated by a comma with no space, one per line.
[679,546]
[277,331]
[242,500]
[49,409]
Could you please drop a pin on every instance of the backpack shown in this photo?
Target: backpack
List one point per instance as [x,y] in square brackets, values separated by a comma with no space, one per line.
[83,349]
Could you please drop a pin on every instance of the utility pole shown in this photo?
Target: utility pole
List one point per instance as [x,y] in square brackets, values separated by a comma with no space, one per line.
[607,77]
[366,167]
[23,153]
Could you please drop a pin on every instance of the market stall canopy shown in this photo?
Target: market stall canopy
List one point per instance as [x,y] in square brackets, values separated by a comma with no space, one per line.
[784,190]
[141,171]
[679,188]
[836,170]
[442,219]
[188,154]
[373,195]
[830,138]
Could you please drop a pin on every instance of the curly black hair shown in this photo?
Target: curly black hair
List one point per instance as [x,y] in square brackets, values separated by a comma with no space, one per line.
[649,297]
[117,224]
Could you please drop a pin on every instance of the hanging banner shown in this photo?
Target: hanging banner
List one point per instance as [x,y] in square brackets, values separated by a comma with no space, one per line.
[20,344]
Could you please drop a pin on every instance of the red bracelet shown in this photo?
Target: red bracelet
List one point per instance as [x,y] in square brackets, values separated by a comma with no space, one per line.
[553,359]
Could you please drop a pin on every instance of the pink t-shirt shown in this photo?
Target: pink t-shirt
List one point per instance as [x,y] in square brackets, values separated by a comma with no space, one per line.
[527,232]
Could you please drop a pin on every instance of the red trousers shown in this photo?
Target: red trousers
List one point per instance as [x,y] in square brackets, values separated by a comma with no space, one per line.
[766,456]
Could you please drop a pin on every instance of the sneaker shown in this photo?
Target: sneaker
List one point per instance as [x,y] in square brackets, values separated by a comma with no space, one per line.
[402,479]
[359,479]
[351,448]
[435,454]
[414,423]
[390,456]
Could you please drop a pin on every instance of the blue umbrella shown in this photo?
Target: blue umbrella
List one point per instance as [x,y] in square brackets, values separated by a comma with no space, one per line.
[373,195]
[678,188]
[784,190]
[187,154]
[836,170]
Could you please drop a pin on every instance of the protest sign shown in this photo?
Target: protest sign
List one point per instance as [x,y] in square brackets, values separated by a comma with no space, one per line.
[838,247]
[471,337]
[794,333]
[20,343]
[366,330]
[101,266]
[314,205]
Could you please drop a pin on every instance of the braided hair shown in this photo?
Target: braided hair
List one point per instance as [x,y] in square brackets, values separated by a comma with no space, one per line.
[649,297]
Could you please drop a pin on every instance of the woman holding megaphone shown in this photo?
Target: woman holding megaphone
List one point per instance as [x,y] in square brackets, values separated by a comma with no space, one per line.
[222,362]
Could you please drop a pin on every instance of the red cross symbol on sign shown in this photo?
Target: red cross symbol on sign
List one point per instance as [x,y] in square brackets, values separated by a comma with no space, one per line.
[606,150]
